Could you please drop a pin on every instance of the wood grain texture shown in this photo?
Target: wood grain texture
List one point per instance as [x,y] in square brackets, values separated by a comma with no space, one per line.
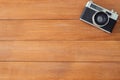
[60,51]
[52,30]
[45,40]
[48,9]
[59,71]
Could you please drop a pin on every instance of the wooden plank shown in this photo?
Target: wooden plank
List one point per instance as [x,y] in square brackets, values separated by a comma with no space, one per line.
[60,51]
[59,71]
[53,30]
[48,9]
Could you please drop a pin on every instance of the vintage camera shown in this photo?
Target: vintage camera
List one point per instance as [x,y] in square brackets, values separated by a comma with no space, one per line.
[99,17]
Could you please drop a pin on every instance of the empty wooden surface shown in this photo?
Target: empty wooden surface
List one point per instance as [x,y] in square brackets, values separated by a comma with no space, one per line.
[60,51]
[59,71]
[45,40]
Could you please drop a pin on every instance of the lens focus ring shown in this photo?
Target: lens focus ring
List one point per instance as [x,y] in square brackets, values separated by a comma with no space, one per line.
[101,18]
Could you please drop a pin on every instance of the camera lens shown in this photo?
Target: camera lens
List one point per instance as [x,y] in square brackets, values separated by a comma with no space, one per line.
[101,18]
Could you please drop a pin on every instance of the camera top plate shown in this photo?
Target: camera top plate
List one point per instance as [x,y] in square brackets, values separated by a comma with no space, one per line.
[97,8]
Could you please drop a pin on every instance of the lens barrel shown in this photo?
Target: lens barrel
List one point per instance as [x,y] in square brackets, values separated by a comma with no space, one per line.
[101,18]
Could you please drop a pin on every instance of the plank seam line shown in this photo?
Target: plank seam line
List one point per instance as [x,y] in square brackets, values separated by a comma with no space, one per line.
[66,61]
[60,40]
[39,19]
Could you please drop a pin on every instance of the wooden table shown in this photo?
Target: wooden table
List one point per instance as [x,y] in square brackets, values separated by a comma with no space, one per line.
[45,40]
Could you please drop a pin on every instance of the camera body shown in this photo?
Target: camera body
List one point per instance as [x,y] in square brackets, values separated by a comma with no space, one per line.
[99,17]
